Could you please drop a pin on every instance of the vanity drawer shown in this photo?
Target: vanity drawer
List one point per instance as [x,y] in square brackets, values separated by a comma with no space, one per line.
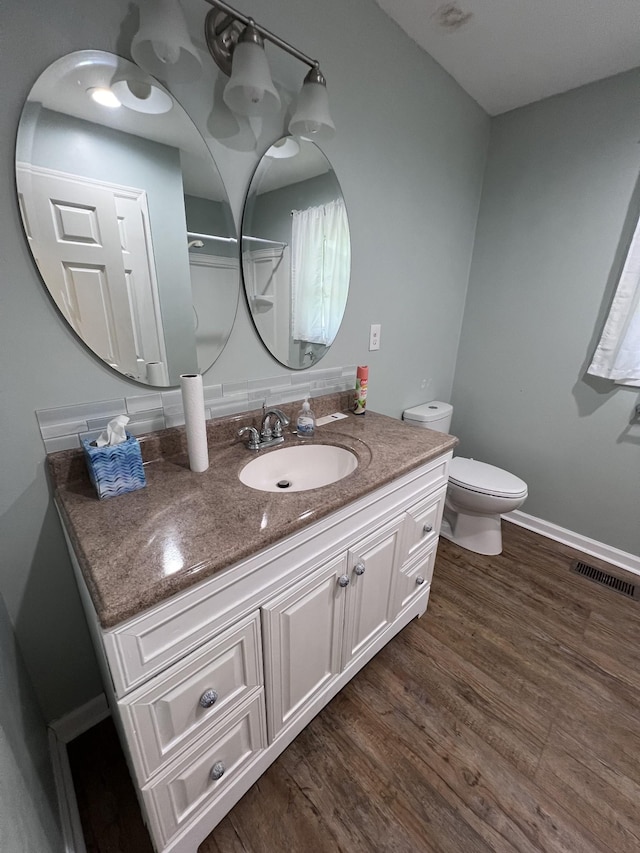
[162,718]
[194,782]
[422,523]
[415,577]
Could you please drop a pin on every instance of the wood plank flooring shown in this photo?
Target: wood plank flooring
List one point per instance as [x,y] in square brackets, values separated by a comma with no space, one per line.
[506,719]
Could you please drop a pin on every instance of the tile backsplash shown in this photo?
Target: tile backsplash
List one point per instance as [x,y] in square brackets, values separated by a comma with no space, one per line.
[63,427]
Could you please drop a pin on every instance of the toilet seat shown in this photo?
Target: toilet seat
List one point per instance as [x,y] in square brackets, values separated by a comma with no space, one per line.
[485,479]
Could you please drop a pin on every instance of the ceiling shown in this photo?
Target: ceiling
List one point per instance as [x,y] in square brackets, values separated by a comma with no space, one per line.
[508,53]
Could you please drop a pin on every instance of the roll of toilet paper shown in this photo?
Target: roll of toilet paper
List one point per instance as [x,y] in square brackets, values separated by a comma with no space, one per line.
[155,373]
[193,404]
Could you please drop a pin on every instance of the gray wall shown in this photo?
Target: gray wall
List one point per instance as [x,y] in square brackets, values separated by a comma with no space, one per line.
[558,185]
[28,807]
[409,151]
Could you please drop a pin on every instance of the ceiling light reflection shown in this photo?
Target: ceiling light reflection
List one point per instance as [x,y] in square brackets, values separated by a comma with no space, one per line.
[172,559]
[103,96]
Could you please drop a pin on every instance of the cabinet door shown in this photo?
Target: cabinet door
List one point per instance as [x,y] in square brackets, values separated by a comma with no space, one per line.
[303,642]
[371,605]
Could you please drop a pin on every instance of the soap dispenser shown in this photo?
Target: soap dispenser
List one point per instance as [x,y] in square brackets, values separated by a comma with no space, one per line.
[306,421]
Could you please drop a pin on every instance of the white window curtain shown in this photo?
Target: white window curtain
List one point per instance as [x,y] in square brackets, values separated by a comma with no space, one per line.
[617,356]
[320,262]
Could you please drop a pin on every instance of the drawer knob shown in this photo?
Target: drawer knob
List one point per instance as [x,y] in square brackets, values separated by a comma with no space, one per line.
[208,698]
[419,580]
[217,771]
[427,528]
[343,580]
[359,568]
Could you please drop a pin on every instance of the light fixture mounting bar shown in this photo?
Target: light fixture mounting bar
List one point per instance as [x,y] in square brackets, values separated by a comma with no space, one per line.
[214,30]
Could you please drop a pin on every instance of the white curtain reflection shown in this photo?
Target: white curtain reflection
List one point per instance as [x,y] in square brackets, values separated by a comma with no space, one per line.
[320,262]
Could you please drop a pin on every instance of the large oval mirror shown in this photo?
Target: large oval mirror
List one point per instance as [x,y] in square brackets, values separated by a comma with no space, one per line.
[296,252]
[127,218]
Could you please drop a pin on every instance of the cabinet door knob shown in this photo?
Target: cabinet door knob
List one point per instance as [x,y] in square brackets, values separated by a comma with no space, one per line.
[419,580]
[217,771]
[359,568]
[343,580]
[208,698]
[427,528]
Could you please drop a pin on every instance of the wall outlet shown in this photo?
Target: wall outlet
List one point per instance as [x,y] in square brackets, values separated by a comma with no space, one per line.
[374,336]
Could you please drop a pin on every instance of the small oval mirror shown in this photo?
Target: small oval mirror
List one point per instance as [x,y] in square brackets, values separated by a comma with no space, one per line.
[296,252]
[127,218]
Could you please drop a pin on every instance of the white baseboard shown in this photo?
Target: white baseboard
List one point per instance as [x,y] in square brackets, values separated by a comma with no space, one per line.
[61,732]
[629,562]
[81,719]
[72,836]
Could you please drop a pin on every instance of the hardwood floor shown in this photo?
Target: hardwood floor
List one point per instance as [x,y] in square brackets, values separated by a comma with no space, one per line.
[506,719]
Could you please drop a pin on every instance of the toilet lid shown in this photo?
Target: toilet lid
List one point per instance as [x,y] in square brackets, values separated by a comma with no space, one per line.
[486,479]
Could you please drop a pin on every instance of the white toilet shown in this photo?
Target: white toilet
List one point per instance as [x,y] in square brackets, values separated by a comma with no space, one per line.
[477,494]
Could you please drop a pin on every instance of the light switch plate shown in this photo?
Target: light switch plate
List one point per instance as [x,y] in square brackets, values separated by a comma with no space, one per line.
[374,336]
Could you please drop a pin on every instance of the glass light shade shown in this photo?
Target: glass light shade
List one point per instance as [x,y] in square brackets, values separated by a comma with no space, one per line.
[162,46]
[142,97]
[312,118]
[250,90]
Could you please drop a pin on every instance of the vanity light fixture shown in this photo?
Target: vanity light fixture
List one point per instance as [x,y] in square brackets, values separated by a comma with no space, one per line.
[162,47]
[250,90]
[311,118]
[237,45]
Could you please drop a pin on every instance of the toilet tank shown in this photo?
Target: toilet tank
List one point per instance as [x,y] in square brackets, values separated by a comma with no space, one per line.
[434,415]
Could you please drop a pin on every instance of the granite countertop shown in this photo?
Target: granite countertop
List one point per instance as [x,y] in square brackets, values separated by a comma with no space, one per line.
[136,550]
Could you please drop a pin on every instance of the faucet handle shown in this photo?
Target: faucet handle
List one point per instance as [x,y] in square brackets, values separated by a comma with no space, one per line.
[254,437]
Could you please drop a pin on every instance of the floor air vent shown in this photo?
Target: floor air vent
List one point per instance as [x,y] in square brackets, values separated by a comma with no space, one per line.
[631,590]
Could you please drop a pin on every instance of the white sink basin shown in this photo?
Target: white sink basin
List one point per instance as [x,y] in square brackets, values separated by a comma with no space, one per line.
[298,468]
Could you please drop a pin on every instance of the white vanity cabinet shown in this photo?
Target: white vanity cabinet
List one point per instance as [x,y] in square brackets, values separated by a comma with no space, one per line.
[315,630]
[210,685]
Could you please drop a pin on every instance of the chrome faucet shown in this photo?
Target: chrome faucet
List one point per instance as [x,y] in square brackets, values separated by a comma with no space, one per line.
[268,436]
[254,437]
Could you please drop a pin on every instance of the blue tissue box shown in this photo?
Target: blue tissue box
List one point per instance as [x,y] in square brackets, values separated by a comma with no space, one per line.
[116,469]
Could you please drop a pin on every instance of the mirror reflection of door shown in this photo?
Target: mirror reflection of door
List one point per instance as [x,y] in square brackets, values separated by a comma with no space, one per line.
[92,245]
